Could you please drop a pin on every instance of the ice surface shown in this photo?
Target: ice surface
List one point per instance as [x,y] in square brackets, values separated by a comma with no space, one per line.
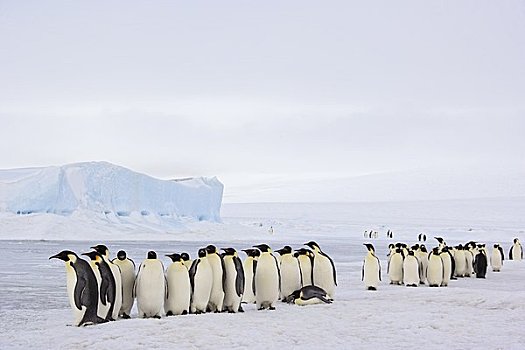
[105,191]
[470,313]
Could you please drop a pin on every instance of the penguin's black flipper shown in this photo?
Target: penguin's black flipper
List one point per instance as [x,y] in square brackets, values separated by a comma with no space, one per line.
[79,289]
[323,299]
[333,267]
[510,253]
[363,272]
[239,280]
[501,252]
[104,286]
[379,263]
[253,279]
[193,270]
[278,271]
[223,273]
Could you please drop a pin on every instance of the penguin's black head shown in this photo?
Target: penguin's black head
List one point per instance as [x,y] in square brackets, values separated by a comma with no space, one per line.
[101,249]
[250,251]
[285,250]
[202,252]
[423,248]
[411,252]
[174,257]
[63,255]
[439,239]
[415,247]
[121,255]
[445,249]
[496,245]
[312,245]
[435,251]
[399,245]
[303,251]
[370,247]
[516,240]
[459,247]
[391,246]
[152,255]
[229,251]
[399,250]
[264,248]
[211,249]
[185,256]
[92,255]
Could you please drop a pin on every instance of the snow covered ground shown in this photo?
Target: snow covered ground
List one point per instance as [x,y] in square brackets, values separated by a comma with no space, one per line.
[470,313]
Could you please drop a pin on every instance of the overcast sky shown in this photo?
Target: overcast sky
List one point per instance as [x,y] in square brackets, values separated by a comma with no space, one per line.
[247,90]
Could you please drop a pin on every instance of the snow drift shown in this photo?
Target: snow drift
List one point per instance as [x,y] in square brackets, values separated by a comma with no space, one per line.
[108,190]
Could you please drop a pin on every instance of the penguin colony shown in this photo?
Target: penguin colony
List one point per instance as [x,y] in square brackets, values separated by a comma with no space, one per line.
[413,266]
[102,290]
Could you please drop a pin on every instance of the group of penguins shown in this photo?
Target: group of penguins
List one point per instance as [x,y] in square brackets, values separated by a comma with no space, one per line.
[414,265]
[103,290]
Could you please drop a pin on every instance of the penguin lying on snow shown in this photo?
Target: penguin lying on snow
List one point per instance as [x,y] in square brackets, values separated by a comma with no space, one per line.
[309,295]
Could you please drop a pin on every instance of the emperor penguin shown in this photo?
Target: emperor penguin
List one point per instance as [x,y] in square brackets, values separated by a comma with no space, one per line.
[447,266]
[480,263]
[469,250]
[82,288]
[179,287]
[516,251]
[441,242]
[249,266]
[106,285]
[371,271]
[234,281]
[217,289]
[127,271]
[411,270]
[310,295]
[324,273]
[290,272]
[461,261]
[422,256]
[497,257]
[305,258]
[201,280]
[115,270]
[267,279]
[435,268]
[186,260]
[395,267]
[150,287]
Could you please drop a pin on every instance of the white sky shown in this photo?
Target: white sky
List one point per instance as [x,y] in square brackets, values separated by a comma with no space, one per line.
[249,90]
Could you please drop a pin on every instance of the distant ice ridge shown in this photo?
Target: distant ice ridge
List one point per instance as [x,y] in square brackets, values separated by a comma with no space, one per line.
[110,190]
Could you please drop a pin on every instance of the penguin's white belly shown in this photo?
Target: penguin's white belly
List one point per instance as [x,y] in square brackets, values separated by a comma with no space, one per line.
[447,269]
[516,252]
[71,282]
[411,271]
[179,290]
[324,274]
[306,270]
[266,281]
[217,292]
[248,296]
[371,272]
[310,301]
[395,271]
[150,291]
[469,267]
[495,260]
[290,276]
[118,289]
[128,279]
[435,271]
[461,263]
[231,299]
[202,287]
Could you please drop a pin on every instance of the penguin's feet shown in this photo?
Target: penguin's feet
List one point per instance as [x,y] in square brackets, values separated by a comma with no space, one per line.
[271,308]
[185,312]
[371,288]
[261,308]
[125,316]
[240,309]
[156,316]
[169,313]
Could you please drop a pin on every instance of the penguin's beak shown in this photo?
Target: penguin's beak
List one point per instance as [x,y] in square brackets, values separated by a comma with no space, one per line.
[56,256]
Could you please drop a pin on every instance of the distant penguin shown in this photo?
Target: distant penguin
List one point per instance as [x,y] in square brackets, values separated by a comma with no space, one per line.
[215,304]
[435,269]
[310,295]
[290,272]
[516,251]
[115,270]
[324,273]
[371,271]
[461,261]
[82,288]
[234,281]
[267,279]
[411,270]
[106,285]
[249,266]
[422,256]
[480,263]
[305,258]
[419,237]
[150,287]
[447,266]
[395,267]
[497,257]
[201,279]
[127,271]
[186,260]
[179,287]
